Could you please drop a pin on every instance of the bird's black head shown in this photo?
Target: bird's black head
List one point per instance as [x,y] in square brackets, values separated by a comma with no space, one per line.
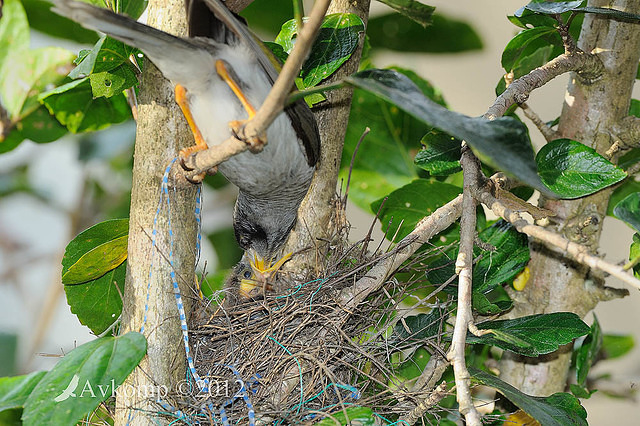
[263,226]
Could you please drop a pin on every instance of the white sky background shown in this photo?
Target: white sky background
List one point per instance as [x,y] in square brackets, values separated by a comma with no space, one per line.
[467,82]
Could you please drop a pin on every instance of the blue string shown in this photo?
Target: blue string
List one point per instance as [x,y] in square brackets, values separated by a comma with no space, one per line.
[299,370]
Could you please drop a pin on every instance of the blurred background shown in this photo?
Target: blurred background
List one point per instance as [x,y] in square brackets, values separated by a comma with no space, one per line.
[51,192]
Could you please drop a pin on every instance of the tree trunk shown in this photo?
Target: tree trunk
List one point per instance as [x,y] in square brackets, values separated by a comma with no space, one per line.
[314,227]
[590,111]
[161,132]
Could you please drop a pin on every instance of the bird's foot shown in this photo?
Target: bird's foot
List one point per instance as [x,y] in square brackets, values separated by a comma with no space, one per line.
[256,143]
[201,145]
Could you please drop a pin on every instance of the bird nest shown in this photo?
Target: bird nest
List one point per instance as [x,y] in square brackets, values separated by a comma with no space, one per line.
[301,356]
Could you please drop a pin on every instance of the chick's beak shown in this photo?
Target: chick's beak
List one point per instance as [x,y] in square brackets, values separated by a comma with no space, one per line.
[261,271]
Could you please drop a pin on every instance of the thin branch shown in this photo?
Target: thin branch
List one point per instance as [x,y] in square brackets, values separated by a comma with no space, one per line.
[273,105]
[548,133]
[464,266]
[416,414]
[588,66]
[426,229]
[577,252]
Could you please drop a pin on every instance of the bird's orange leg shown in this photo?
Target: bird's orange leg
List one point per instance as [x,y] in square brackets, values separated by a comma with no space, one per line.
[236,125]
[181,100]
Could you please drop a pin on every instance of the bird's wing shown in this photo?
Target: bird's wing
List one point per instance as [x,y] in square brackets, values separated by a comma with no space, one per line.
[169,53]
[202,23]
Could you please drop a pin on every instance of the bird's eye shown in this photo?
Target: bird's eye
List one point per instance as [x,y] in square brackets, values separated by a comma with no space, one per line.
[247,274]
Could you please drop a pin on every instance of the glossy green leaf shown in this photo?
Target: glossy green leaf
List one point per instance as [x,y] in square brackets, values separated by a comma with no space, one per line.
[559,409]
[628,210]
[573,170]
[95,251]
[495,267]
[527,42]
[412,9]
[75,107]
[532,335]
[627,188]
[503,141]
[83,379]
[492,302]
[611,13]
[41,18]
[581,391]
[401,34]
[406,206]
[337,39]
[361,416]
[553,8]
[587,353]
[525,19]
[98,303]
[15,390]
[384,160]
[421,327]
[616,345]
[440,155]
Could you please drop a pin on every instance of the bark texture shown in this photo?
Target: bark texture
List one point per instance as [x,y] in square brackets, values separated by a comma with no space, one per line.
[590,112]
[313,228]
[161,132]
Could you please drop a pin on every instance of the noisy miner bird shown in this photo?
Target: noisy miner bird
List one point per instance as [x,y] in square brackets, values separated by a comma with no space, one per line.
[222,74]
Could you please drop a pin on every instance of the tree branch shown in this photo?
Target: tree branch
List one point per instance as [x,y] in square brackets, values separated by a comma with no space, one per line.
[464,269]
[587,65]
[273,105]
[426,229]
[421,408]
[546,131]
[628,132]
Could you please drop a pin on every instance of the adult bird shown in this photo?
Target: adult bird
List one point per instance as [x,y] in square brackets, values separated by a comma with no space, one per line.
[221,75]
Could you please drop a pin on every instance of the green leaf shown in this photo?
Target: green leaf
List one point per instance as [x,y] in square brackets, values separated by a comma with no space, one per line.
[494,268]
[74,106]
[492,302]
[83,379]
[41,18]
[30,72]
[111,83]
[384,160]
[98,303]
[414,10]
[15,390]
[444,35]
[559,409]
[95,251]
[527,42]
[14,31]
[133,8]
[421,327]
[611,13]
[627,188]
[337,39]
[504,141]
[267,16]
[634,106]
[106,55]
[440,155]
[616,345]
[553,8]
[587,353]
[361,416]
[406,206]
[573,170]
[525,19]
[628,210]
[581,391]
[532,335]
[40,126]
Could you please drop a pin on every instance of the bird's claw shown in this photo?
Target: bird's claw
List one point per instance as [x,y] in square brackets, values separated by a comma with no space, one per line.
[256,143]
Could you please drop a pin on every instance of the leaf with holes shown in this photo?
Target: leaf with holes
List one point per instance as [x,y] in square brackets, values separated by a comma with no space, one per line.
[573,170]
[504,142]
[406,206]
[559,409]
[95,251]
[532,335]
[83,379]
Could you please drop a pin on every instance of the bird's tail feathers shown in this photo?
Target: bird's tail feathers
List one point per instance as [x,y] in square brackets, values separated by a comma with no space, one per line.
[162,48]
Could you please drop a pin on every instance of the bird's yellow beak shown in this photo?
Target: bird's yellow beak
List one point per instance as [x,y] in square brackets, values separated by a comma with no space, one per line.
[261,270]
